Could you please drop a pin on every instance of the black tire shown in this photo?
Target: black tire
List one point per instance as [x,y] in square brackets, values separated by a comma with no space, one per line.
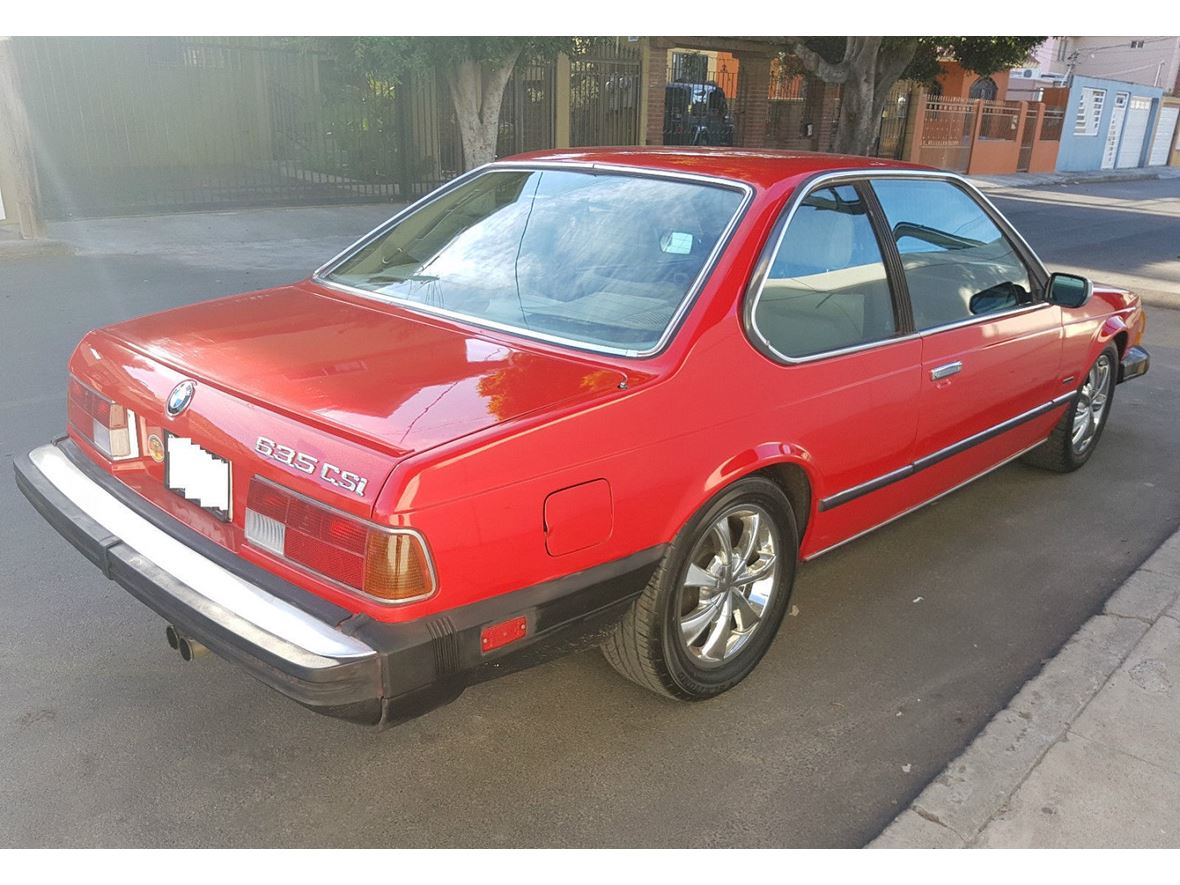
[646,645]
[1058,452]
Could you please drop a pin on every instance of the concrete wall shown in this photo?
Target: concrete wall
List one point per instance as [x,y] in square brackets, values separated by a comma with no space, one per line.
[1080,153]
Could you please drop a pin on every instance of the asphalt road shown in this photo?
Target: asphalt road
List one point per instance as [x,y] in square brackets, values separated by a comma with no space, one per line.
[109,739]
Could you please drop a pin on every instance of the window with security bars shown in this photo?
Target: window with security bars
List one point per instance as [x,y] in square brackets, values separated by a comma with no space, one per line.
[1089,111]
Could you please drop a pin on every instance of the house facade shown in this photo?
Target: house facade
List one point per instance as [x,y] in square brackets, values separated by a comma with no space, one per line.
[1114,124]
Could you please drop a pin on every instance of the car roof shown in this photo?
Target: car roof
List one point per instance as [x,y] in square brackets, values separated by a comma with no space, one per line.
[762,168]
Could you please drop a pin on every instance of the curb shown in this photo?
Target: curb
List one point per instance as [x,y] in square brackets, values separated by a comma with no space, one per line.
[1050,180]
[957,805]
[19,249]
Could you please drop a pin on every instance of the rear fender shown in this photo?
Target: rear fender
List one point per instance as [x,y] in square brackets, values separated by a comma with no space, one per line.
[771,454]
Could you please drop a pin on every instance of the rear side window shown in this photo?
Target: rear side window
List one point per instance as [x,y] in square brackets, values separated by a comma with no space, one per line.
[958,263]
[826,288]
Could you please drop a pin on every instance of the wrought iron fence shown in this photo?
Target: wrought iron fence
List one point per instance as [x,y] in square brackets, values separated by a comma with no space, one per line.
[1052,125]
[895,112]
[699,100]
[1027,138]
[946,134]
[605,93]
[132,125]
[527,114]
[999,120]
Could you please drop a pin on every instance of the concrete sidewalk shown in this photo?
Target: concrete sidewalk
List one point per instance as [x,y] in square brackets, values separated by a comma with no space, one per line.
[1088,753]
[1050,179]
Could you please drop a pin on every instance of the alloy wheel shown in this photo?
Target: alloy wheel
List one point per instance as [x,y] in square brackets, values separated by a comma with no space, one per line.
[732,574]
[1091,405]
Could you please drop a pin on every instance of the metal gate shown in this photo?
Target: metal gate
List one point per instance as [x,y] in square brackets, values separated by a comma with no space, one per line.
[894,118]
[1115,129]
[946,133]
[699,99]
[527,113]
[1162,142]
[1027,138]
[1134,132]
[605,92]
[131,125]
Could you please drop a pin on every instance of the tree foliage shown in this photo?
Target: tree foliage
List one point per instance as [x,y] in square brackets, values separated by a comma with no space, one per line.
[868,67]
[394,58]
[476,70]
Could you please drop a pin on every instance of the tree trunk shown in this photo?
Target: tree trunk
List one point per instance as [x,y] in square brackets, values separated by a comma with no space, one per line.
[17,168]
[477,91]
[856,128]
[867,75]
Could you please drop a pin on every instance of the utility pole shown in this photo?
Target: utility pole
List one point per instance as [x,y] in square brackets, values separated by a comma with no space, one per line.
[1072,62]
[17,170]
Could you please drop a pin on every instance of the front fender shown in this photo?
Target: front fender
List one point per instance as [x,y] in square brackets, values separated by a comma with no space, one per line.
[1107,331]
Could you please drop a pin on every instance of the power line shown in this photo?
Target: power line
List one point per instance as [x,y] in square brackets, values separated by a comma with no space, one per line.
[1123,45]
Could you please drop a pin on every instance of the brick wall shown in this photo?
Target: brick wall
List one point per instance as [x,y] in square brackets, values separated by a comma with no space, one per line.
[788,120]
[657,79]
[751,107]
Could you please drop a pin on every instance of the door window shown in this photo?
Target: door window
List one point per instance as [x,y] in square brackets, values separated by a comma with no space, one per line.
[958,263]
[826,288]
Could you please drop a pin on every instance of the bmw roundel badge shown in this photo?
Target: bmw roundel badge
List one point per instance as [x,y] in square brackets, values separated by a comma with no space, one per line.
[180,397]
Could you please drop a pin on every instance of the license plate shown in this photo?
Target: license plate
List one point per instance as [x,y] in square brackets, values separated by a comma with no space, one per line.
[197,475]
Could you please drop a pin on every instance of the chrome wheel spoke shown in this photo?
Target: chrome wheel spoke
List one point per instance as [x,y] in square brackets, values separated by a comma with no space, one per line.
[696,622]
[751,529]
[721,537]
[745,614]
[699,577]
[718,640]
[757,571]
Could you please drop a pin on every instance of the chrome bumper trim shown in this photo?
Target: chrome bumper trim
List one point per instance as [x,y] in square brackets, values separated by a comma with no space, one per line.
[201,584]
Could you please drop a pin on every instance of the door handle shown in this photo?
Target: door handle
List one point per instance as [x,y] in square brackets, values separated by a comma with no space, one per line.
[946,371]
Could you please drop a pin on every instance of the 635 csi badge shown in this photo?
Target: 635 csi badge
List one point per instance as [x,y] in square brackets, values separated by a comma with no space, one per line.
[344,480]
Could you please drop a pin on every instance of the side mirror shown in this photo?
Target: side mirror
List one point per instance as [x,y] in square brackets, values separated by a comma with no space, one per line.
[1069,290]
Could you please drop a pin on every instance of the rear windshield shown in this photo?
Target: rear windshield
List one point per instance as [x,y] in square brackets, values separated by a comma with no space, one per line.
[594,259]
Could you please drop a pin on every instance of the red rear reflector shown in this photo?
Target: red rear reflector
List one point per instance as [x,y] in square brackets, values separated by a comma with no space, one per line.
[502,634]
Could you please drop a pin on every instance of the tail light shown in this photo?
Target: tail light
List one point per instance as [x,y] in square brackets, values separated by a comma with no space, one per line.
[389,565]
[108,425]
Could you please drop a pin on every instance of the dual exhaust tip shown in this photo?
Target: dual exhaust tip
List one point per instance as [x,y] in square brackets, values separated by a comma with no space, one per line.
[188,648]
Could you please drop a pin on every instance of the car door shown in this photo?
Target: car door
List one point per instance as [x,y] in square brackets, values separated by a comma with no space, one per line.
[991,345]
[827,311]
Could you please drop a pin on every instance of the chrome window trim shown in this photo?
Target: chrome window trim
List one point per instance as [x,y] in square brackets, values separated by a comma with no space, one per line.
[673,325]
[987,317]
[200,583]
[384,529]
[869,174]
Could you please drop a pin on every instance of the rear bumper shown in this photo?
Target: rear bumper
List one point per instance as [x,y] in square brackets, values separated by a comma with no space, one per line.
[1136,361]
[312,651]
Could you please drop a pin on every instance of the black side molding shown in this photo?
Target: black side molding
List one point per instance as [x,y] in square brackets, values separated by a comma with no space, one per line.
[941,455]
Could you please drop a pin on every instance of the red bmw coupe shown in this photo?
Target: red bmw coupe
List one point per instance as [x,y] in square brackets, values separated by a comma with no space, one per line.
[605,395]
